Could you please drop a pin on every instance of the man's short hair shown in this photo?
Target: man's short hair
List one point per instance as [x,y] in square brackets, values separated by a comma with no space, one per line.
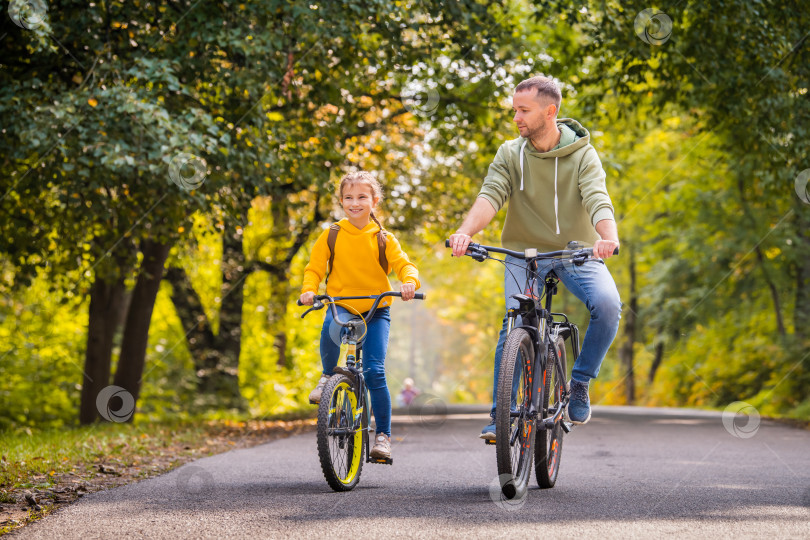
[546,87]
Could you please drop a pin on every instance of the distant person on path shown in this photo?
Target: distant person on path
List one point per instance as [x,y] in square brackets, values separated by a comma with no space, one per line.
[554,183]
[408,393]
[356,270]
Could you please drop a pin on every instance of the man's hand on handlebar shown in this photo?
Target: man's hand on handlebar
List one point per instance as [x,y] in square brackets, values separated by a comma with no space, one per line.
[408,291]
[307,298]
[459,242]
[604,249]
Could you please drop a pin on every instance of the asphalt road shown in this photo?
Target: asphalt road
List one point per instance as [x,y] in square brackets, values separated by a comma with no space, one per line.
[629,473]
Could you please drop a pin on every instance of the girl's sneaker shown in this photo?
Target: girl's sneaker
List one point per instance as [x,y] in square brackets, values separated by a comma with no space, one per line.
[382,447]
[315,395]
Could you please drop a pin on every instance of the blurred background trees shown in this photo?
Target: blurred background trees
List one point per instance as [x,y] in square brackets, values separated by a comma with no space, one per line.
[167,166]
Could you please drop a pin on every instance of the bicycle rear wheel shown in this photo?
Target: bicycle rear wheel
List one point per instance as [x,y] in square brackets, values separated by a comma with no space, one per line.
[514,430]
[549,441]
[340,436]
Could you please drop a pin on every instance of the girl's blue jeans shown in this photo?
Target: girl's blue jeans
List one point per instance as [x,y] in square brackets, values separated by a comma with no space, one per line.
[374,346]
[592,283]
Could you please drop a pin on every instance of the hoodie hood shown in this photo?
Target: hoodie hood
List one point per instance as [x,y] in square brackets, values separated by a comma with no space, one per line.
[572,137]
[553,196]
[346,225]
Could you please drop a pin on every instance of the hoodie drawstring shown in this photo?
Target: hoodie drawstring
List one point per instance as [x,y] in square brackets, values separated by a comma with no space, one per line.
[556,200]
[521,163]
[556,215]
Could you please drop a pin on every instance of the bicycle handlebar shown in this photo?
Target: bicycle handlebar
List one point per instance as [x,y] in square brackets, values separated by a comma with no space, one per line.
[318,304]
[480,252]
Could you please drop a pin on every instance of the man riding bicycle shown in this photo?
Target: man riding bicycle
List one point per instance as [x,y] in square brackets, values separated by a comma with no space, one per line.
[555,185]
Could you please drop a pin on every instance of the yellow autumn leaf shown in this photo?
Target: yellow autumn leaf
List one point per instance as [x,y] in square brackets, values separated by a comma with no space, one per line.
[92,102]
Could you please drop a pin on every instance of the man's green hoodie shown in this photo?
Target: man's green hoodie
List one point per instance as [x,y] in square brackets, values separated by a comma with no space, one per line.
[554,197]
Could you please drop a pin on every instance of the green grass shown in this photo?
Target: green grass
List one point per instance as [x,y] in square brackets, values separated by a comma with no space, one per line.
[27,454]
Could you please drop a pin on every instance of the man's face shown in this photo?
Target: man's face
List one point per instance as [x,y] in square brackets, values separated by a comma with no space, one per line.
[532,116]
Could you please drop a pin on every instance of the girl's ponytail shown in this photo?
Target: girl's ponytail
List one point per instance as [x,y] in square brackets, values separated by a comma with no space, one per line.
[375,220]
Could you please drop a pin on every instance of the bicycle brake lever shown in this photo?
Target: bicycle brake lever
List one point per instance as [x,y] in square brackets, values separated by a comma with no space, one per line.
[478,254]
[315,306]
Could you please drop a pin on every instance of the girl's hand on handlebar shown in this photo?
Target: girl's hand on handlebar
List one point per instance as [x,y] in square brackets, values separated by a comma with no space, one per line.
[307,298]
[408,290]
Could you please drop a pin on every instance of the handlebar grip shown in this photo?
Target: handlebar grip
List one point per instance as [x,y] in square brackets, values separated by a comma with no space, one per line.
[616,251]
[447,243]
[419,296]
[299,302]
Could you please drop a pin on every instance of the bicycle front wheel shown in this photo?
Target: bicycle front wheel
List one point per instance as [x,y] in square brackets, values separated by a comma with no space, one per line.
[340,434]
[514,430]
[549,441]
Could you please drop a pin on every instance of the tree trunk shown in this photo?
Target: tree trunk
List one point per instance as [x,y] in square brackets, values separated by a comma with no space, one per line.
[229,339]
[107,302]
[630,322]
[659,356]
[136,332]
[801,313]
[280,280]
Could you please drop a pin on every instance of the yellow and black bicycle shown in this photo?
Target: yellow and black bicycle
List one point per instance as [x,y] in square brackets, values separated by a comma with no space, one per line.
[344,413]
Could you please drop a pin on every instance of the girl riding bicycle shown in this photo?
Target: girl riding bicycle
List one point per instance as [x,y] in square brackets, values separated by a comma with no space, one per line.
[361,256]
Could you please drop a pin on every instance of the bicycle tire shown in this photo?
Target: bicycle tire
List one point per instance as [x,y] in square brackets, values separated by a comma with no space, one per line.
[514,439]
[548,448]
[340,447]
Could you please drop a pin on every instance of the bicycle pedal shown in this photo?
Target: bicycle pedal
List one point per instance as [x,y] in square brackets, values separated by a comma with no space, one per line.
[488,441]
[567,426]
[382,461]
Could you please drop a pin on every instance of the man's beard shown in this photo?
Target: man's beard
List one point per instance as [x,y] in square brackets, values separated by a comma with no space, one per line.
[535,133]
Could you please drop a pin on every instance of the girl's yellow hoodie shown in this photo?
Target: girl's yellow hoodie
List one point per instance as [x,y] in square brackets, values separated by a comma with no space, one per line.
[357,270]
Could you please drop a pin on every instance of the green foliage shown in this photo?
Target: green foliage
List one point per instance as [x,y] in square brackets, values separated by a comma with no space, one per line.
[701,139]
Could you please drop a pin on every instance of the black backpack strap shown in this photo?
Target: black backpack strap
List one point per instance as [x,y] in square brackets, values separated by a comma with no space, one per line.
[334,229]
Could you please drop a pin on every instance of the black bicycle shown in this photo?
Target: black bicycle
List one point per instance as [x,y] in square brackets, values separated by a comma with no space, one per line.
[344,413]
[532,394]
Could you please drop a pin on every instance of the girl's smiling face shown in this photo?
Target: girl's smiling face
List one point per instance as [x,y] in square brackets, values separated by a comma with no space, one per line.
[358,201]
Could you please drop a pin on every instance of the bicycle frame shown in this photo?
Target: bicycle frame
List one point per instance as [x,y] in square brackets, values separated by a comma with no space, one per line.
[539,321]
[354,359]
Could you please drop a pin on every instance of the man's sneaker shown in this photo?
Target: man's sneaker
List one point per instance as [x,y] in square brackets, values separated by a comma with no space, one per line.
[488,433]
[315,395]
[579,406]
[382,447]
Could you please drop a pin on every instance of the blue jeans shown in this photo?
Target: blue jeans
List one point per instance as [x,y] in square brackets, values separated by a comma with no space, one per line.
[374,346]
[593,285]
